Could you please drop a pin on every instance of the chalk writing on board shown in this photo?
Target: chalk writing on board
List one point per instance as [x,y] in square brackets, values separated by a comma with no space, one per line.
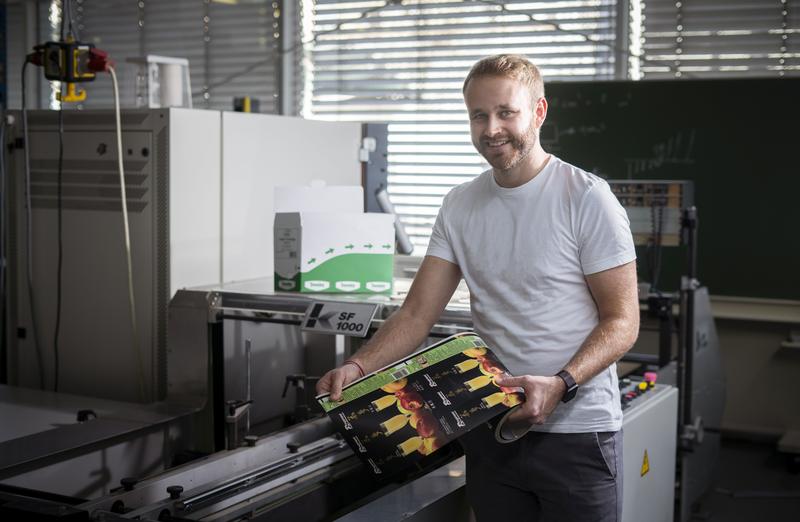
[583,130]
[678,149]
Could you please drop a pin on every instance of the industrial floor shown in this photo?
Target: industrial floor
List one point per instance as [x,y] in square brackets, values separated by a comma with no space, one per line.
[754,483]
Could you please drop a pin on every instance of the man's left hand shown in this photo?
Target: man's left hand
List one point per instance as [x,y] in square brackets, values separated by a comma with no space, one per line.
[542,395]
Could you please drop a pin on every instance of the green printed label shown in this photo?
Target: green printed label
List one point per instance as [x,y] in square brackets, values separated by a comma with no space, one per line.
[287,284]
[419,361]
[346,273]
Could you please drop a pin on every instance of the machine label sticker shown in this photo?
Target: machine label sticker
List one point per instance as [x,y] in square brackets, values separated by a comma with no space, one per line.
[286,284]
[645,464]
[351,319]
[317,286]
[348,286]
[407,410]
[378,286]
[286,243]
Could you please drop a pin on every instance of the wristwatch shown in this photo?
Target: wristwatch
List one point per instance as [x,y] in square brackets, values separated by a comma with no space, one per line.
[572,386]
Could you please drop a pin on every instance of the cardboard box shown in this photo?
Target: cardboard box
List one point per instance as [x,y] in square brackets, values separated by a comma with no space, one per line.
[324,242]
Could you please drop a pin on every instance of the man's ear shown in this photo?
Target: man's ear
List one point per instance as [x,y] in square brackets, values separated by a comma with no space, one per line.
[540,112]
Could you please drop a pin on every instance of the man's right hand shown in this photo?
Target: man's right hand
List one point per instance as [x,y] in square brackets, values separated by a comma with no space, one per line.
[404,330]
[336,379]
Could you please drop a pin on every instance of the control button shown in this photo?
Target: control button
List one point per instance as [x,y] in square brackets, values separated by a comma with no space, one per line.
[128,483]
[175,492]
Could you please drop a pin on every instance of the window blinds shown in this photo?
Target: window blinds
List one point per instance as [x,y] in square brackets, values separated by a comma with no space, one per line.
[405,64]
[719,39]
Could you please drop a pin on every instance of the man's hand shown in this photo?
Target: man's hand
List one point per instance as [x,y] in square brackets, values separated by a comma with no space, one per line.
[405,329]
[542,395]
[336,379]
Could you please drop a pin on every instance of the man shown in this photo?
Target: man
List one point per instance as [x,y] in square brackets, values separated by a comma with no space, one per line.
[546,251]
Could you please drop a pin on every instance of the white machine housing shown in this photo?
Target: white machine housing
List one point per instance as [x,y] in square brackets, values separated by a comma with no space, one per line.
[199,188]
[648,455]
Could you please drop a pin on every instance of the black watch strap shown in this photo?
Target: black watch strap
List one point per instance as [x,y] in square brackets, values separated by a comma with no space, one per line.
[572,386]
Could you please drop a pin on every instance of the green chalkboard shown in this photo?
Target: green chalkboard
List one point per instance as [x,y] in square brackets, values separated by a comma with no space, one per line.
[738,140]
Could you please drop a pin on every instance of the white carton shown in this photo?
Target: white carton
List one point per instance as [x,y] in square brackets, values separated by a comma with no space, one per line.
[324,242]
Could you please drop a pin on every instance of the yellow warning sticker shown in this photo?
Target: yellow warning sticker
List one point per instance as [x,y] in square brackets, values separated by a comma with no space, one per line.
[645,464]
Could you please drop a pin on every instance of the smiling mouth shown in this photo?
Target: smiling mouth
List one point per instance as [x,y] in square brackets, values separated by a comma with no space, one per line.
[496,143]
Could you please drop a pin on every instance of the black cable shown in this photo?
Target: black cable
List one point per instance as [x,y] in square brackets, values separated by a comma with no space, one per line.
[3,226]
[2,209]
[66,18]
[656,237]
[659,244]
[28,228]
[70,29]
[60,256]
[650,246]
[64,8]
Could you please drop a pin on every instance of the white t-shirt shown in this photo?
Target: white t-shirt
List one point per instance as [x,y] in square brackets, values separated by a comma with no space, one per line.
[524,252]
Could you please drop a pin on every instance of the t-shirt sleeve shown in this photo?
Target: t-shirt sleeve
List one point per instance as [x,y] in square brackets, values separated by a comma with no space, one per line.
[439,245]
[603,231]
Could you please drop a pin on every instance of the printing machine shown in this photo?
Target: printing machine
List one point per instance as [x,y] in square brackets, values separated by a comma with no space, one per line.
[221,341]
[235,351]
[238,381]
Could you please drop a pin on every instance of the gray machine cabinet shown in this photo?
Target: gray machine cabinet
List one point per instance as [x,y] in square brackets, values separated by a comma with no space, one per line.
[173,195]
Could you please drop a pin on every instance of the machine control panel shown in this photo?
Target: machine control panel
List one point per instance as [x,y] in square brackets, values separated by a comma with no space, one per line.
[636,390]
[649,421]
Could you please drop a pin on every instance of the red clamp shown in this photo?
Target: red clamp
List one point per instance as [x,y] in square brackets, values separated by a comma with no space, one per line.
[36,57]
[99,60]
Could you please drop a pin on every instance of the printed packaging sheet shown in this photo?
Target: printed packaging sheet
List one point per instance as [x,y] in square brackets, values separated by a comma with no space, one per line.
[397,415]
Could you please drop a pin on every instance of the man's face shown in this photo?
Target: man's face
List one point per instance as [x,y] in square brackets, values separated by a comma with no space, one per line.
[503,122]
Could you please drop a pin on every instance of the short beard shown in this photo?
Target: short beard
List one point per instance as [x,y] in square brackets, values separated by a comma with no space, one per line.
[523,145]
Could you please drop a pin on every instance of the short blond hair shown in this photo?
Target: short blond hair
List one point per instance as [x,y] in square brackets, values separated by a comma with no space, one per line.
[509,66]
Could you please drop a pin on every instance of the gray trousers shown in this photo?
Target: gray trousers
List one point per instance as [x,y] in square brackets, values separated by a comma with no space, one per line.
[548,477]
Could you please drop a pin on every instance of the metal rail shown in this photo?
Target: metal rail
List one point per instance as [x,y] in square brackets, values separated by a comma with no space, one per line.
[259,476]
